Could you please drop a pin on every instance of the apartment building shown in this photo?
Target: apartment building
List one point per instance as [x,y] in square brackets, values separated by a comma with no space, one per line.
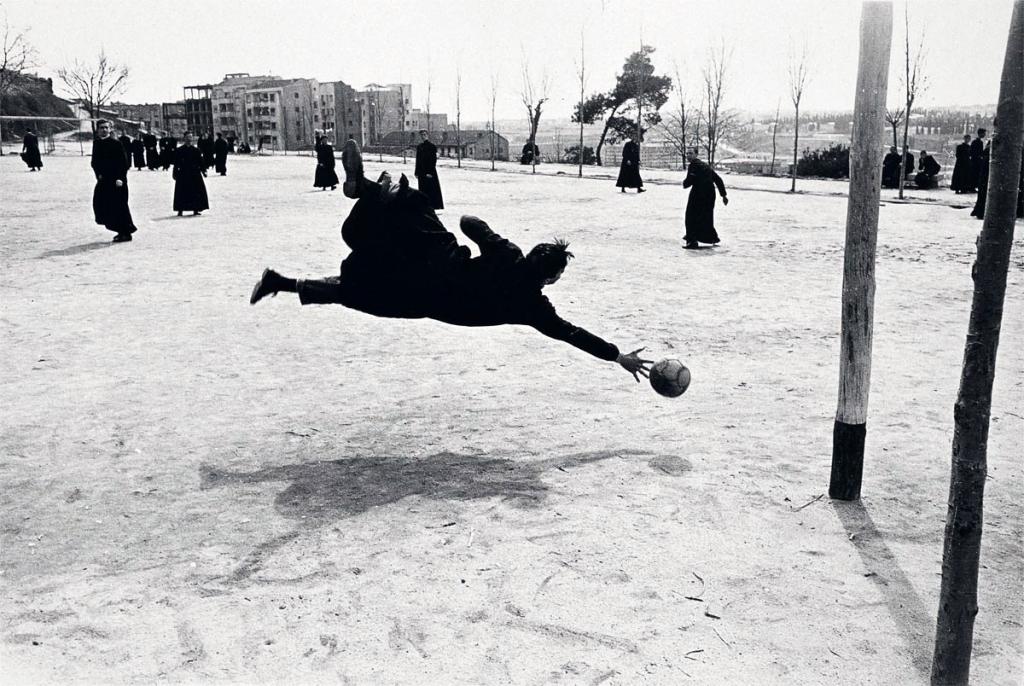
[198,108]
[280,115]
[340,112]
[228,103]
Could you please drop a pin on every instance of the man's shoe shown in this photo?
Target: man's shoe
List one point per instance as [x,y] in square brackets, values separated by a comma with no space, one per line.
[352,162]
[641,190]
[690,245]
[122,238]
[267,285]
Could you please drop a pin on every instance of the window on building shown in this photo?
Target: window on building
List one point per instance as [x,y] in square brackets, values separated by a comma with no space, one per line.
[273,97]
[296,96]
[273,126]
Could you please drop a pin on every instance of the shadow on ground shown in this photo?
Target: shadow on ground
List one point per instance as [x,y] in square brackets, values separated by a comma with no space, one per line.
[914,620]
[75,249]
[319,493]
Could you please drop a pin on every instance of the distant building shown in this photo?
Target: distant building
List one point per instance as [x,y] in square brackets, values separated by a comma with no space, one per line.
[340,112]
[199,108]
[148,115]
[280,114]
[436,121]
[227,102]
[175,118]
[384,109]
[475,143]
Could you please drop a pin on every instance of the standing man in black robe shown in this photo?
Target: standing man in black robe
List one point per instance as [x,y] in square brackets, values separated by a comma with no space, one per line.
[168,153]
[152,156]
[908,163]
[700,206]
[961,182]
[405,264]
[110,197]
[982,166]
[629,170]
[30,151]
[891,169]
[138,153]
[205,146]
[426,171]
[325,175]
[189,188]
[220,155]
[977,152]
[929,169]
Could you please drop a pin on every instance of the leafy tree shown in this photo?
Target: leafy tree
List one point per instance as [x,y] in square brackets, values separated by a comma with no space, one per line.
[637,90]
[572,155]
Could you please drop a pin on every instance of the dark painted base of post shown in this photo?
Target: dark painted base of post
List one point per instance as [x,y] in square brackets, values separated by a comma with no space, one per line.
[847,461]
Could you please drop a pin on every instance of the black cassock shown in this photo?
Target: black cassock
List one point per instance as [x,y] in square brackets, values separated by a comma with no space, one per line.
[138,153]
[700,206]
[426,173]
[30,155]
[152,156]
[982,162]
[325,175]
[929,169]
[629,170]
[891,170]
[205,146]
[977,151]
[220,156]
[961,182]
[110,202]
[189,188]
[167,147]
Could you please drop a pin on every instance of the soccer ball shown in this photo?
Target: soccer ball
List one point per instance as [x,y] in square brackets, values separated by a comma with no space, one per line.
[670,378]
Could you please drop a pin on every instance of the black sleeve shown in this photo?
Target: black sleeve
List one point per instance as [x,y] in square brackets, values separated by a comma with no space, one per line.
[688,181]
[491,244]
[718,182]
[547,321]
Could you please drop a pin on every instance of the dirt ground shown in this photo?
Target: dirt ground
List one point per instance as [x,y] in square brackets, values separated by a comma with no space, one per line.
[200,491]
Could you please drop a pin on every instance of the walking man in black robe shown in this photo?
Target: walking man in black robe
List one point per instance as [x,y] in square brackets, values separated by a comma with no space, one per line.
[152,156]
[189,187]
[138,153]
[629,170]
[325,175]
[405,264]
[977,163]
[929,169]
[960,183]
[30,151]
[126,143]
[110,197]
[220,155]
[700,206]
[891,169]
[426,171]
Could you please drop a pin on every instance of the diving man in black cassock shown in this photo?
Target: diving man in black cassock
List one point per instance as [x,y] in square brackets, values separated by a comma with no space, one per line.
[325,175]
[30,151]
[110,197]
[629,170]
[426,171]
[961,181]
[700,205]
[405,264]
[189,188]
[220,155]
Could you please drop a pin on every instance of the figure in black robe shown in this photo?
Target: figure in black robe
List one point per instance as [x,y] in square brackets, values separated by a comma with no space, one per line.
[530,153]
[426,171]
[629,170]
[138,153]
[977,163]
[700,206]
[891,169]
[325,175]
[405,264]
[908,164]
[929,169]
[189,187]
[152,155]
[110,196]
[220,155]
[961,181]
[979,204]
[30,151]
[126,143]
[168,146]
[205,146]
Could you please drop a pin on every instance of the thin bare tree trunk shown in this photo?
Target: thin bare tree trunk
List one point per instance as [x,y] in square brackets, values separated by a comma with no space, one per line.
[858,299]
[796,144]
[775,129]
[958,597]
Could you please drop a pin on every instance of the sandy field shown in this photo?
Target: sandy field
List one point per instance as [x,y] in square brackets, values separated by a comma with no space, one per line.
[198,491]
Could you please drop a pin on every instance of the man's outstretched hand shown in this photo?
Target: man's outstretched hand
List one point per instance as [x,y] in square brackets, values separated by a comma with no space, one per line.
[633,364]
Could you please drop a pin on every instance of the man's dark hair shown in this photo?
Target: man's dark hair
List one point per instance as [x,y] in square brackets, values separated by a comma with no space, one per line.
[101,122]
[982,132]
[550,258]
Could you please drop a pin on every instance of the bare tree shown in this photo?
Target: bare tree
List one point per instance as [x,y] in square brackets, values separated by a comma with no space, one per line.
[16,57]
[914,82]
[458,115]
[430,90]
[581,72]
[797,82]
[94,83]
[893,117]
[775,131]
[494,103]
[715,79]
[533,94]
[677,126]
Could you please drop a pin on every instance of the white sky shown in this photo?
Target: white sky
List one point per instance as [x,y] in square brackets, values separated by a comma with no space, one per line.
[171,44]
